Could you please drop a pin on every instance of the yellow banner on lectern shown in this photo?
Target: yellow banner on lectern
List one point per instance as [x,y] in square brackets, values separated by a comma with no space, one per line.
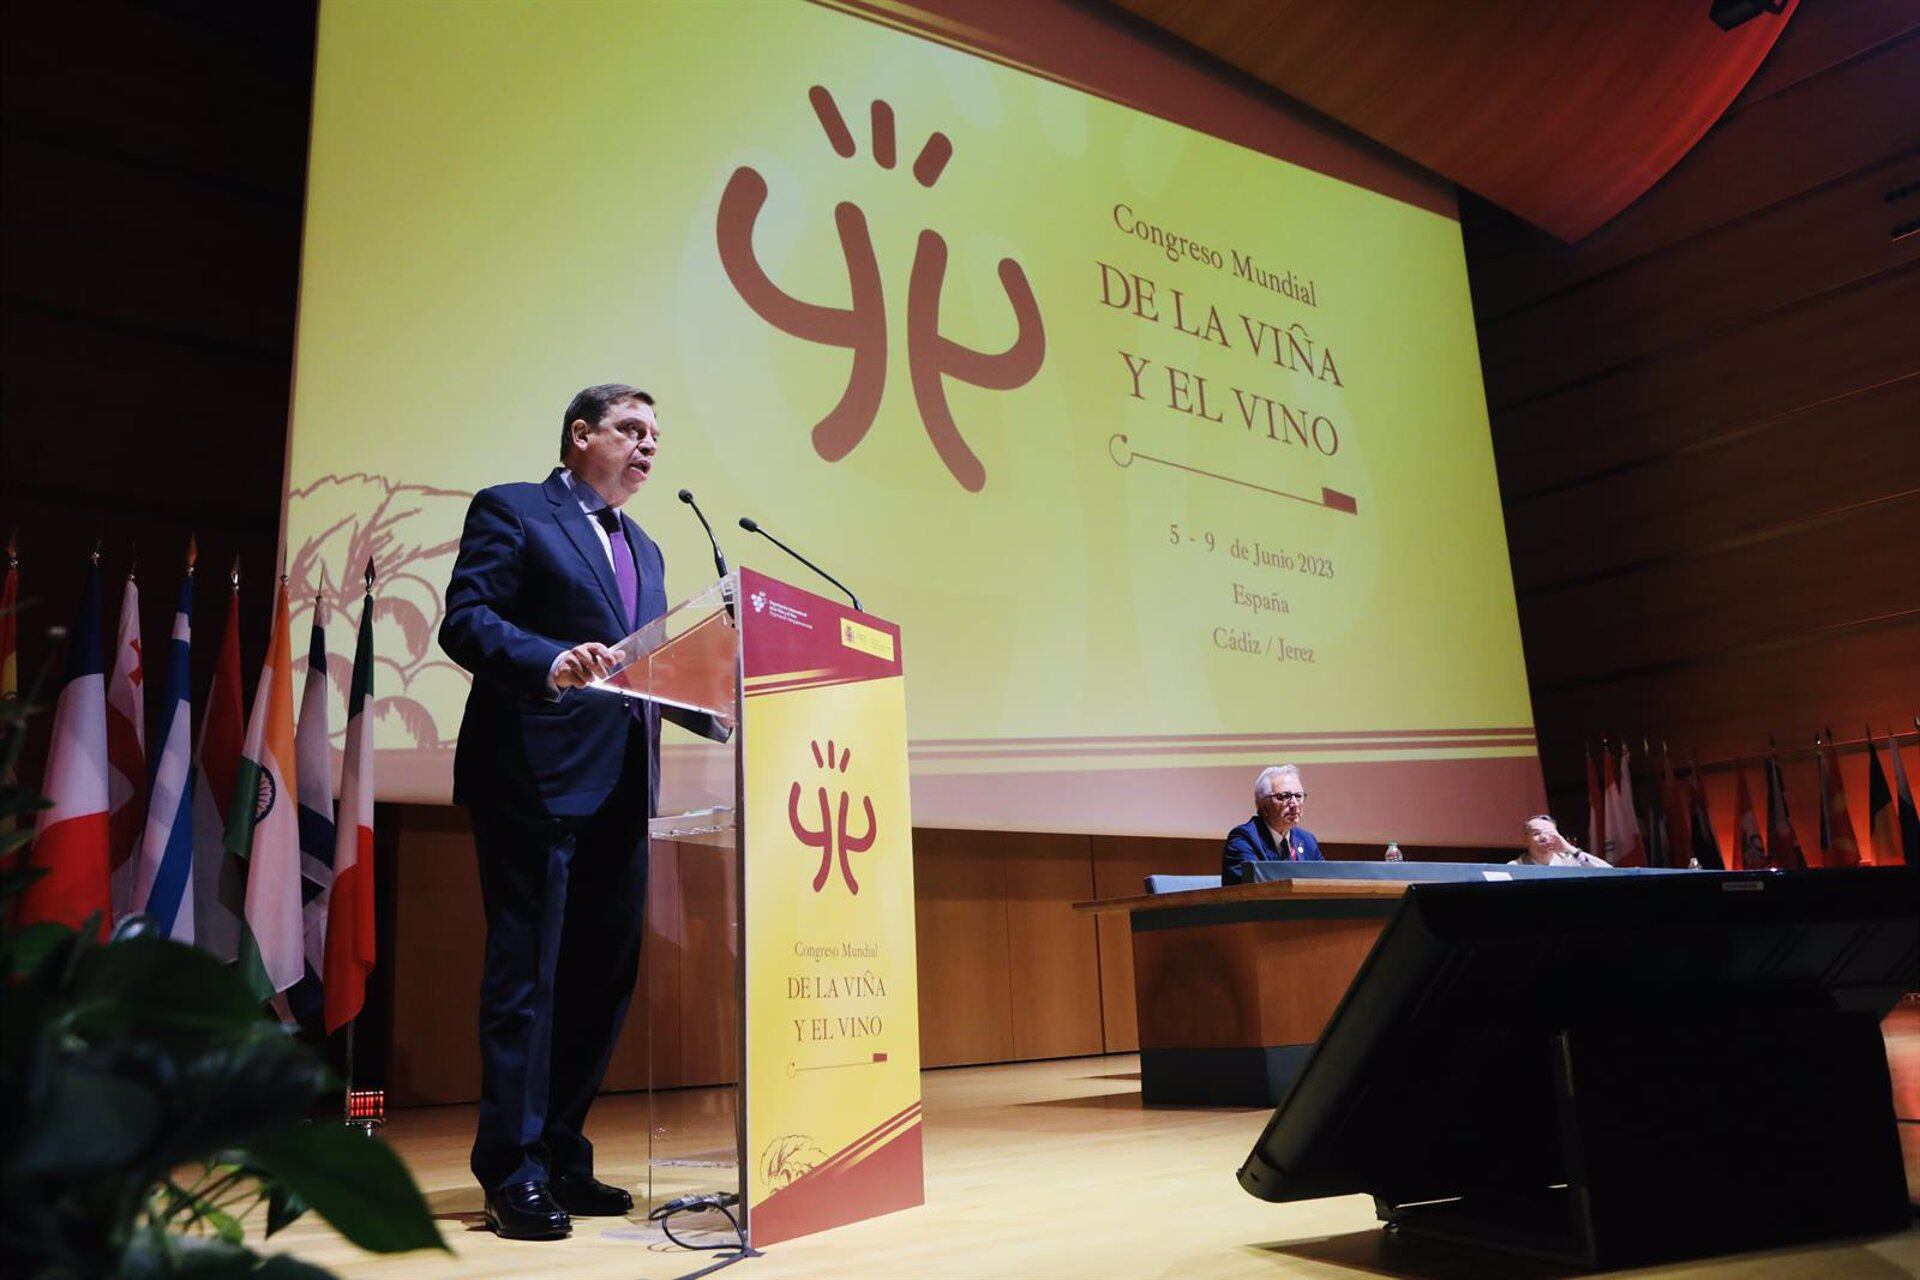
[833,1023]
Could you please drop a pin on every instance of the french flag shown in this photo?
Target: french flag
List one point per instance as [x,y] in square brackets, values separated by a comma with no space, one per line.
[163,884]
[70,841]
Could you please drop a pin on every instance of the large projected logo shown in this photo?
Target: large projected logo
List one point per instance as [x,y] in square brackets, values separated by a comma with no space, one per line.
[862,327]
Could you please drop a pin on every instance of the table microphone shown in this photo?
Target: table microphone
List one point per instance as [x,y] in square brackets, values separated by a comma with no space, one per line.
[719,559]
[753,526]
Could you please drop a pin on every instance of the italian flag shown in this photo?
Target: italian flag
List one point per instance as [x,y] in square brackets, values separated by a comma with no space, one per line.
[349,956]
[263,824]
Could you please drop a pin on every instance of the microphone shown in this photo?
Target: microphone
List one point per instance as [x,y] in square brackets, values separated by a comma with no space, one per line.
[719,559]
[753,526]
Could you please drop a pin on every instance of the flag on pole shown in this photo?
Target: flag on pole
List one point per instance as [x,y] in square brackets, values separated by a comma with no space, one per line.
[1625,847]
[1674,800]
[1706,841]
[9,627]
[1749,845]
[163,882]
[1903,803]
[1883,824]
[1657,850]
[1783,846]
[350,935]
[262,826]
[313,751]
[70,840]
[220,878]
[1838,845]
[126,749]
[1596,806]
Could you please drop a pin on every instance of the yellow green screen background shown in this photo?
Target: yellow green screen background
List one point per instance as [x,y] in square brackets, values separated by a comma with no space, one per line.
[508,201]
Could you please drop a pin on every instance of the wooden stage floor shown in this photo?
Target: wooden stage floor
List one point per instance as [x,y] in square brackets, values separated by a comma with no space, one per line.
[1049,1169]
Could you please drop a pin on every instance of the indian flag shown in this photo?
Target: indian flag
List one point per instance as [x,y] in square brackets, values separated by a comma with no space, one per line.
[263,825]
[350,917]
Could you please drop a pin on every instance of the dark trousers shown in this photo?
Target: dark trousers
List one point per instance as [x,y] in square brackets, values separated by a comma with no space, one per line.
[566,908]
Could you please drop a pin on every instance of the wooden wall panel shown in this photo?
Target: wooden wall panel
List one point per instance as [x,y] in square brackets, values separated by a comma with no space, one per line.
[1855,564]
[1053,954]
[709,996]
[1704,418]
[1783,362]
[154,167]
[1824,128]
[104,249]
[1120,867]
[1708,496]
[1666,300]
[960,914]
[439,927]
[1845,28]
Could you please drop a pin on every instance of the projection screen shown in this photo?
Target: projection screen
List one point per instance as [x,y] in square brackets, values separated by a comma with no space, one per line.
[1152,415]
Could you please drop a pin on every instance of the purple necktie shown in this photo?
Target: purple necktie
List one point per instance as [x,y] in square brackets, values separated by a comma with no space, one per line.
[626,574]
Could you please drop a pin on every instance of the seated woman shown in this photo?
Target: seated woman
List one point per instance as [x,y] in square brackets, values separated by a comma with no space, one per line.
[1546,847]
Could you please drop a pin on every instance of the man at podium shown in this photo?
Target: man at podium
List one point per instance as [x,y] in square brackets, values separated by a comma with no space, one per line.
[559,784]
[1273,833]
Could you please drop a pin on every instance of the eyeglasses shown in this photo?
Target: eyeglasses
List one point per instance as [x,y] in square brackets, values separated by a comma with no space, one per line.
[1284,796]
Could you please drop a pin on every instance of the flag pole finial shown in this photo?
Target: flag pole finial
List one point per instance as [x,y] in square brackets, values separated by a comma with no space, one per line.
[193,552]
[13,548]
[95,556]
[133,561]
[369,575]
[233,575]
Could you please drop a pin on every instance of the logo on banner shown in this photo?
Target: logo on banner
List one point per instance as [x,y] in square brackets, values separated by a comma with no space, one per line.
[759,601]
[932,358]
[831,837]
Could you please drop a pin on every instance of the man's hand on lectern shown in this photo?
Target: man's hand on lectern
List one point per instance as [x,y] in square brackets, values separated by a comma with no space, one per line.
[583,664]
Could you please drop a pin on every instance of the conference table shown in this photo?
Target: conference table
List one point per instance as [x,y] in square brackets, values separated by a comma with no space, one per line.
[1233,985]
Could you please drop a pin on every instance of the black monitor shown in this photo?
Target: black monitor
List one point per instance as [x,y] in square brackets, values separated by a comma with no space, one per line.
[1611,1070]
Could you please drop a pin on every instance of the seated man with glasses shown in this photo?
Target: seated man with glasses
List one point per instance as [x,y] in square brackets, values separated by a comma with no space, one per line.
[1273,833]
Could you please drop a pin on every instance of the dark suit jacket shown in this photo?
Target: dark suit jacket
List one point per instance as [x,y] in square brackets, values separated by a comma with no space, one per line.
[531,581]
[1252,842]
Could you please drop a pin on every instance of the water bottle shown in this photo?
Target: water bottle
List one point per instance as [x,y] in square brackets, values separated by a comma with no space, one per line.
[1393,851]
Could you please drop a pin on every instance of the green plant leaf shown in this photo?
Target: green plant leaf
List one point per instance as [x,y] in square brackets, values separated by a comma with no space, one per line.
[31,946]
[286,1267]
[87,1122]
[354,1182]
[19,838]
[283,1207]
[205,1259]
[224,1090]
[224,1224]
[152,982]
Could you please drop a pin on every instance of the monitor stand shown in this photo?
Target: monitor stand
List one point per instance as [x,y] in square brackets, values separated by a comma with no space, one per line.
[1736,1132]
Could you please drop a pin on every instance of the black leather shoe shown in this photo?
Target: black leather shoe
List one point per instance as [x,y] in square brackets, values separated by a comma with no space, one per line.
[526,1211]
[589,1197]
